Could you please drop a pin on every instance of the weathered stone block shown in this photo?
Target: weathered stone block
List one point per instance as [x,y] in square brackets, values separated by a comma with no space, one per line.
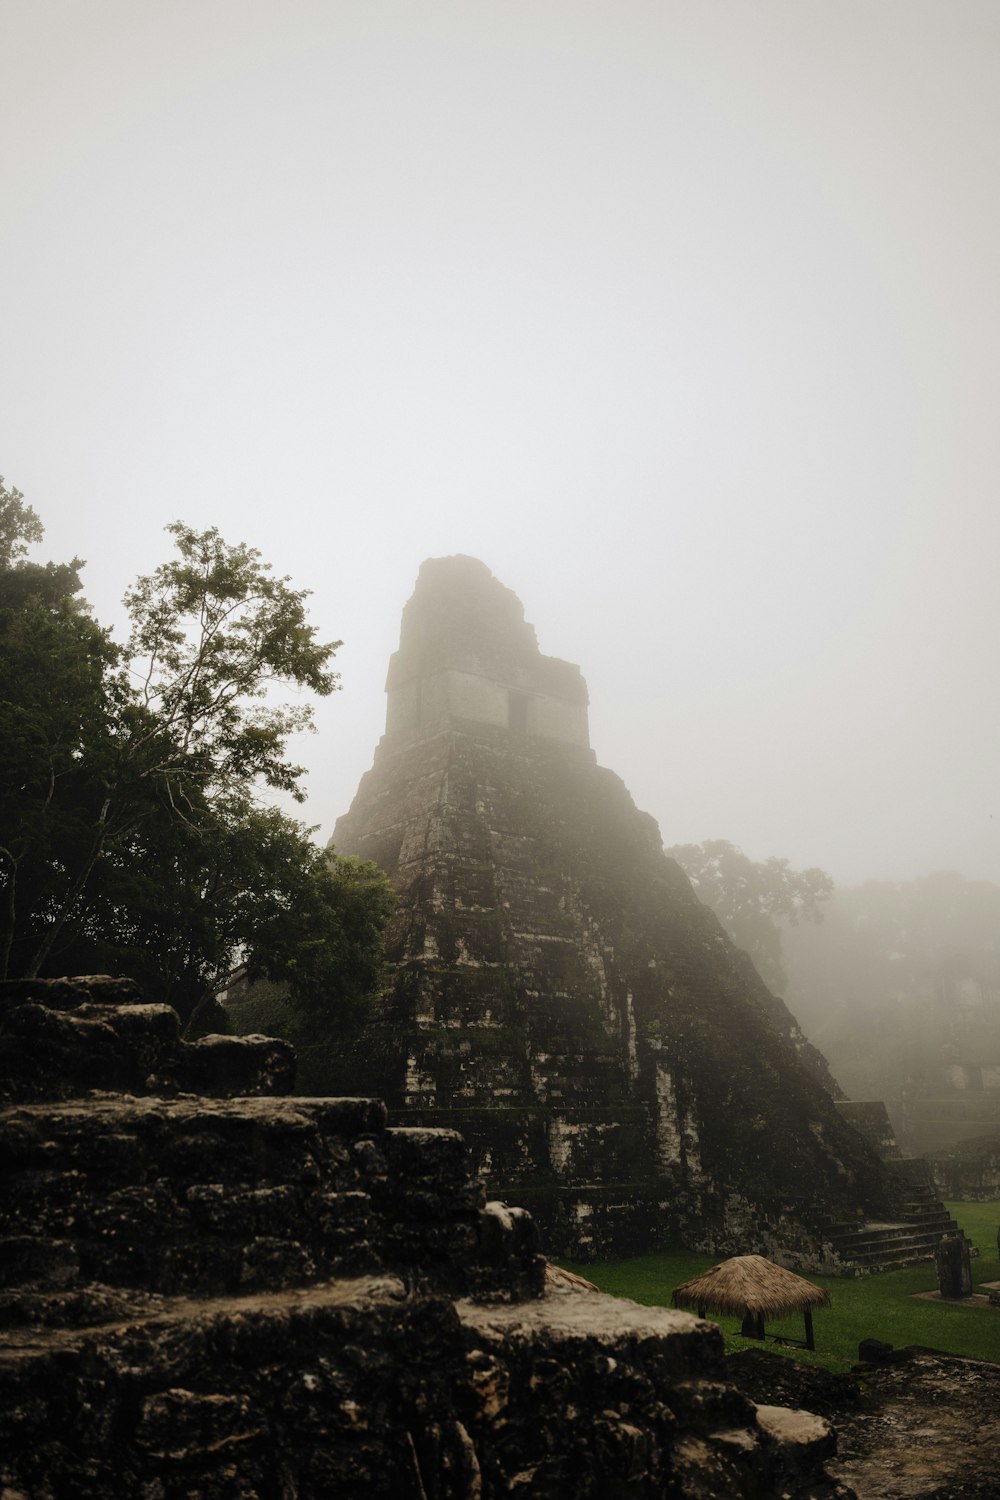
[70,992]
[954,1267]
[234,1065]
[360,1390]
[64,1038]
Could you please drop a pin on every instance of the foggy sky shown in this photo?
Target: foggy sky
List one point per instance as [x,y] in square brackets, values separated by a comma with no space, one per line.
[685,318]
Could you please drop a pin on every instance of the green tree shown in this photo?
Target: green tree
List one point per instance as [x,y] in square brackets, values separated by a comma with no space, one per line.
[54,584]
[247,889]
[752,897]
[19,526]
[172,724]
[342,905]
[132,834]
[212,633]
[56,743]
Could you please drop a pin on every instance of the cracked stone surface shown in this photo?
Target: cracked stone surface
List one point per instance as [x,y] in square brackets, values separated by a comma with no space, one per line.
[930,1431]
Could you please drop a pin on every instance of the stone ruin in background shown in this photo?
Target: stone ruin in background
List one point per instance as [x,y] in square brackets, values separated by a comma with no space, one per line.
[563,999]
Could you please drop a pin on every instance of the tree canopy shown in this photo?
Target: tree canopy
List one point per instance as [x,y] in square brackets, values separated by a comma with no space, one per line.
[19,526]
[133,834]
[752,897]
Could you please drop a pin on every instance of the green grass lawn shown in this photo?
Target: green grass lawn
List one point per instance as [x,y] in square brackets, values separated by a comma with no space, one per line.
[882,1306]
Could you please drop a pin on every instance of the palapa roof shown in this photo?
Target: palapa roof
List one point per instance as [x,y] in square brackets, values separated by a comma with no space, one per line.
[558,1279]
[749,1283]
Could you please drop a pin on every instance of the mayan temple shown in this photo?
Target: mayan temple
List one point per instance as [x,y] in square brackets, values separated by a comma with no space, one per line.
[560,995]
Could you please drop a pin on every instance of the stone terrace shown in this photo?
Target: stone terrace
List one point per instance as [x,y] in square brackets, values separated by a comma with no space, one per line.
[261,1296]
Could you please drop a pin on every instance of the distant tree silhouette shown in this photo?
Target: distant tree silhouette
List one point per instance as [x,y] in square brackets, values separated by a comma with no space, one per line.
[752,897]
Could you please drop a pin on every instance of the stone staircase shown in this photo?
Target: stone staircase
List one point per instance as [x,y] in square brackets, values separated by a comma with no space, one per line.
[187,1197]
[118,1192]
[922,1220]
[908,1241]
[229,1296]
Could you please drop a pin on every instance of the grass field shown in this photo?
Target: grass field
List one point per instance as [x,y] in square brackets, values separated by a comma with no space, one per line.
[882,1306]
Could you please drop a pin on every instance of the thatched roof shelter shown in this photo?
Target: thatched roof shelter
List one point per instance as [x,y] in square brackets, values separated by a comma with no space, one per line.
[749,1283]
[754,1289]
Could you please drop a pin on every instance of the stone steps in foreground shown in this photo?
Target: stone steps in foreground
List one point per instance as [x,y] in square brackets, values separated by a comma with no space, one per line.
[228,1196]
[359,1388]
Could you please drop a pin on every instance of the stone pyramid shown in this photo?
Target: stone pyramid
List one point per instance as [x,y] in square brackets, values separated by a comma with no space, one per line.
[560,995]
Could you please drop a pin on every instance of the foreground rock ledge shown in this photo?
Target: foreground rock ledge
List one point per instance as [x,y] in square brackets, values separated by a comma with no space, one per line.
[361,1388]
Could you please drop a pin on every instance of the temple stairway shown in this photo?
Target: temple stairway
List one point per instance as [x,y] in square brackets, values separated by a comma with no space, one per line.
[912,1239]
[922,1221]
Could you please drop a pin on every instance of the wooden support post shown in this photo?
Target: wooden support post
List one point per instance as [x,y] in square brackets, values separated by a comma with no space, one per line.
[753,1325]
[810,1341]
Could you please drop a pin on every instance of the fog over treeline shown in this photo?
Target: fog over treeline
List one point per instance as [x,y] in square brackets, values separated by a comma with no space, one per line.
[684,318]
